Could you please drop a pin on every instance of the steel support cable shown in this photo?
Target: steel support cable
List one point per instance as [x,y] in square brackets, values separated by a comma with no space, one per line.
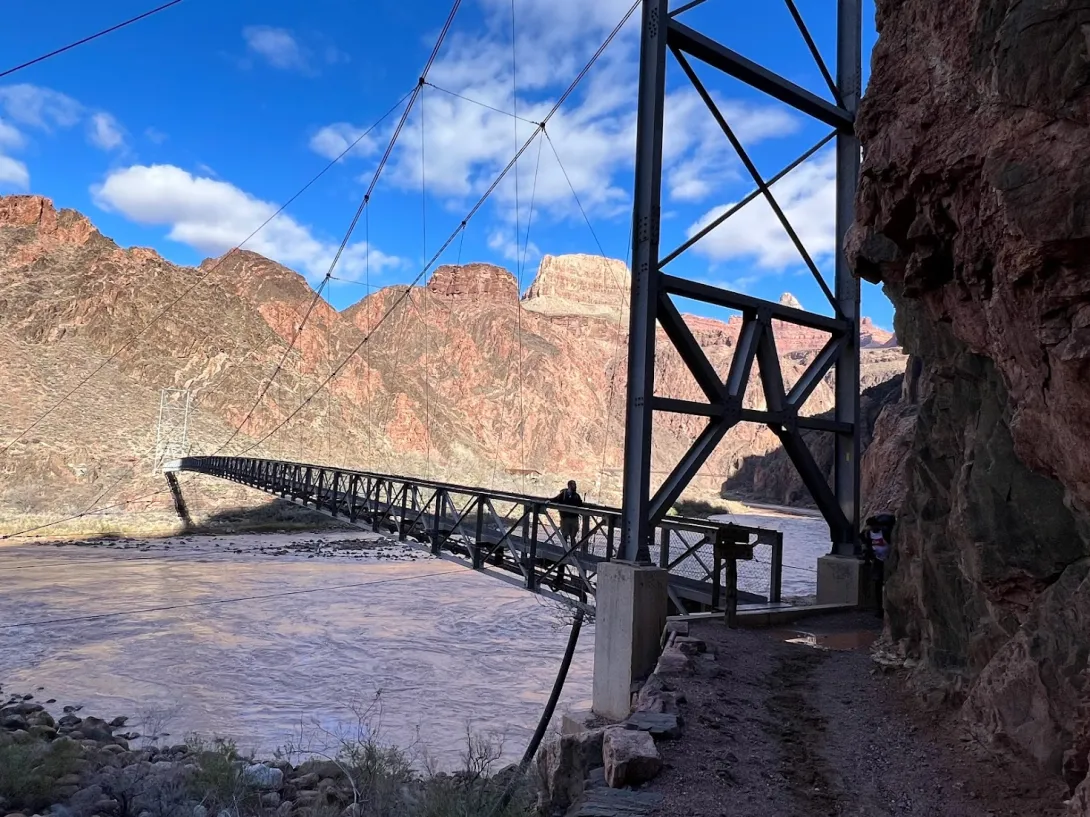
[416,92]
[518,266]
[503,410]
[472,212]
[623,291]
[348,234]
[89,512]
[200,280]
[472,101]
[95,36]
[546,715]
[424,294]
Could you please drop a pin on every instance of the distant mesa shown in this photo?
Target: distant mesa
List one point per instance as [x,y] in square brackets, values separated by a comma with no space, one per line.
[580,284]
[475,281]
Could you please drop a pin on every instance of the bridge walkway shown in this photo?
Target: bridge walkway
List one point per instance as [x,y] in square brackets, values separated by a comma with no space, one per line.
[511,534]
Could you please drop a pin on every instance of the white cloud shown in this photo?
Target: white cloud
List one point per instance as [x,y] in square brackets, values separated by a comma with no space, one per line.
[213,216]
[521,253]
[105,132]
[807,196]
[466,145]
[39,107]
[10,136]
[155,135]
[25,108]
[333,140]
[277,46]
[13,173]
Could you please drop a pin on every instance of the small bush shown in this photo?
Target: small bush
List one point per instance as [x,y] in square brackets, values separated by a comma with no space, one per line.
[29,772]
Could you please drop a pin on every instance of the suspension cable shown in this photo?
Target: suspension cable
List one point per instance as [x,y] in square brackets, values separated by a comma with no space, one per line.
[95,36]
[472,211]
[518,266]
[212,268]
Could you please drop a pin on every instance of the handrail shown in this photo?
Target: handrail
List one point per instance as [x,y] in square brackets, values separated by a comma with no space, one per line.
[463,523]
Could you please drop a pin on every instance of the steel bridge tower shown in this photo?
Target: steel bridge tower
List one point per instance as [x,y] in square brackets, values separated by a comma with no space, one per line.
[172,429]
[653,288]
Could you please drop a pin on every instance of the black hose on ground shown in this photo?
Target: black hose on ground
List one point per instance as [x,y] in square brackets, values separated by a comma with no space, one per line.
[546,716]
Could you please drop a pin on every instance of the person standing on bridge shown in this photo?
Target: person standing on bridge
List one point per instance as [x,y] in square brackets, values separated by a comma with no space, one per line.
[569,522]
[569,527]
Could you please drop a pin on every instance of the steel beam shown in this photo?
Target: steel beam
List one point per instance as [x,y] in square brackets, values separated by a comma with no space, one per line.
[635,524]
[731,62]
[708,294]
[849,55]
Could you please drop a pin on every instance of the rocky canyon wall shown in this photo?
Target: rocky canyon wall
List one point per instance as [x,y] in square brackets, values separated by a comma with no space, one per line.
[972,210]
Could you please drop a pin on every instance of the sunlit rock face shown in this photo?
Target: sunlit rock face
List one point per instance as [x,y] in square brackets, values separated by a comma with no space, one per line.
[458,380]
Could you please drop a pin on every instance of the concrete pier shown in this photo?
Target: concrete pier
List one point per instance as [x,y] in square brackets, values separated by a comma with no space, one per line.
[631,613]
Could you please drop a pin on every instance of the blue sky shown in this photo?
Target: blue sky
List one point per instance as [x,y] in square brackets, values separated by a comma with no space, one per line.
[185,131]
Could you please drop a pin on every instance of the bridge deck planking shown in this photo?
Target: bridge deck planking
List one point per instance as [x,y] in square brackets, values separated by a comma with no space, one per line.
[501,531]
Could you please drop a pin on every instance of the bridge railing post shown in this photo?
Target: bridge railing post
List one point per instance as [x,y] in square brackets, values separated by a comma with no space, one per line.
[775,581]
[531,573]
[664,547]
[401,532]
[437,518]
[478,535]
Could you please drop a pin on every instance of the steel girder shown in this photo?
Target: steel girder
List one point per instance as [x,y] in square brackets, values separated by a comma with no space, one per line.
[653,289]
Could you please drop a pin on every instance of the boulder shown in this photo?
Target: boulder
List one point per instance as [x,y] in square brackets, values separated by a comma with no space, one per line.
[263,777]
[663,725]
[615,803]
[13,722]
[563,763]
[322,768]
[690,646]
[629,756]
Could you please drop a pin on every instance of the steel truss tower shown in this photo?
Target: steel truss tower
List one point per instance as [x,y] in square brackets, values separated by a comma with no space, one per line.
[653,288]
[172,430]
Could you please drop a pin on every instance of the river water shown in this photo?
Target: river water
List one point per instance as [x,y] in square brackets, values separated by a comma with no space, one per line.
[278,640]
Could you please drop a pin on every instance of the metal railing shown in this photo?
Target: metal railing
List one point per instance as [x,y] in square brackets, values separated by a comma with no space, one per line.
[496,530]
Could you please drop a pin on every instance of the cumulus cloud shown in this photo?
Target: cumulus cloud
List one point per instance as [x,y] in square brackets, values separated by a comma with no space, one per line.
[807,196]
[520,252]
[213,216]
[105,132]
[25,108]
[277,46]
[13,173]
[37,107]
[467,144]
[10,137]
[333,140]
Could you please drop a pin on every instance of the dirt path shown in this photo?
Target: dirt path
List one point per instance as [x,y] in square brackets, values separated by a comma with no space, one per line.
[774,728]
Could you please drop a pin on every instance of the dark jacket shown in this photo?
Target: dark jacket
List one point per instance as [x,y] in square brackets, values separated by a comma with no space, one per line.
[568,498]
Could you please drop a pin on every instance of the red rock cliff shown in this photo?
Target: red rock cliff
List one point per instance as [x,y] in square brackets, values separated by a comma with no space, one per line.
[972,210]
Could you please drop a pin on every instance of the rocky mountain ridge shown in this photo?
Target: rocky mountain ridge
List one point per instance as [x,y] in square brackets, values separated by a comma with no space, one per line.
[458,379]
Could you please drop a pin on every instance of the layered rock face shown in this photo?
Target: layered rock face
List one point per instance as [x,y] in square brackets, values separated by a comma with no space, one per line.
[972,211]
[459,380]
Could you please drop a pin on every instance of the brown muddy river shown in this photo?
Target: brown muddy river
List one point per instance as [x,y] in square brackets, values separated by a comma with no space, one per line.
[254,638]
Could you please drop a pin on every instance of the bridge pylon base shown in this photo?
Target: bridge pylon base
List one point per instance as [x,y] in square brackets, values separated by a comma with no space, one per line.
[631,613]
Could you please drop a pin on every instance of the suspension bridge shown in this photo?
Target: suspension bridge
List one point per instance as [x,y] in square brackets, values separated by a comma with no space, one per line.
[518,535]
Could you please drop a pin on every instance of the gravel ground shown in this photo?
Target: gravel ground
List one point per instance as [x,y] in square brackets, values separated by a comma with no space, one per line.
[786,730]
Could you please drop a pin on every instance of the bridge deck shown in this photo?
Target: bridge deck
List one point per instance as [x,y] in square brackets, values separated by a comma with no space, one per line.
[518,534]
